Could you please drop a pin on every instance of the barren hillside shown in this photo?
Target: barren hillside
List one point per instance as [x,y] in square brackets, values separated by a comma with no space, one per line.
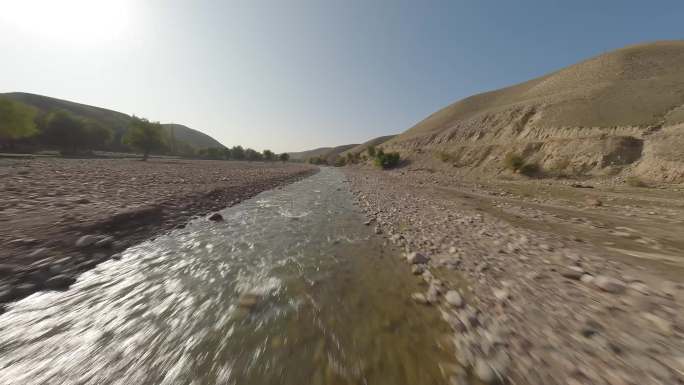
[618,112]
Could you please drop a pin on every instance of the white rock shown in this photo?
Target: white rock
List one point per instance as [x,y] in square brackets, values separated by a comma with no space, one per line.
[87,240]
[419,298]
[453,298]
[609,284]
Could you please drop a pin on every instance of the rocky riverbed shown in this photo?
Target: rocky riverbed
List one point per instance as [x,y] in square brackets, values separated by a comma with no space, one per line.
[531,296]
[60,217]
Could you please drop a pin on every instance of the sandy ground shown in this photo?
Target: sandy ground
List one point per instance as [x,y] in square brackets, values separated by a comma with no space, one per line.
[49,205]
[547,283]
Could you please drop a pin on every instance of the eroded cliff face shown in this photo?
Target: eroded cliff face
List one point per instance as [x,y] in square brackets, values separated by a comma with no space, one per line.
[480,145]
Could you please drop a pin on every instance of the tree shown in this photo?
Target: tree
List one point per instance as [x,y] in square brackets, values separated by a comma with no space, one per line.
[284,157]
[214,153]
[65,131]
[251,154]
[269,155]
[97,136]
[237,153]
[16,121]
[145,136]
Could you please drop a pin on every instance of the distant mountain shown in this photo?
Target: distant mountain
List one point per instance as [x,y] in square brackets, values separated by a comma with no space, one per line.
[114,120]
[328,153]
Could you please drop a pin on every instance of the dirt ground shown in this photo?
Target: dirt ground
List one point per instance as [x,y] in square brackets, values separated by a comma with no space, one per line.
[48,205]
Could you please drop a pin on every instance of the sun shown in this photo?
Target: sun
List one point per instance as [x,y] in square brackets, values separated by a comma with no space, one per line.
[68,21]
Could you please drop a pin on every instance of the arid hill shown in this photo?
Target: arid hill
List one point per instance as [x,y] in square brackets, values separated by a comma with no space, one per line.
[363,146]
[620,112]
[327,153]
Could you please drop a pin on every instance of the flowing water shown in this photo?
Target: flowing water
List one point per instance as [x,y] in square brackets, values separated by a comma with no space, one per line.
[290,289]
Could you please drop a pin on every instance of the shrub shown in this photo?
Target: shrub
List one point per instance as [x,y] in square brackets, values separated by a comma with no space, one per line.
[445,156]
[530,169]
[387,160]
[284,157]
[340,161]
[635,181]
[371,151]
[513,161]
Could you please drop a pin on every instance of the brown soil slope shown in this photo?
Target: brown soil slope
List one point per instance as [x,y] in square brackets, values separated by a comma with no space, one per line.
[621,111]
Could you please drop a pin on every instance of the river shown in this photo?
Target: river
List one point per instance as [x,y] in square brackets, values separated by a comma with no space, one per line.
[291,288]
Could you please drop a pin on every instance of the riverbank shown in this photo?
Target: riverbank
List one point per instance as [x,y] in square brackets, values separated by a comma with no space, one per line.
[544,289]
[60,217]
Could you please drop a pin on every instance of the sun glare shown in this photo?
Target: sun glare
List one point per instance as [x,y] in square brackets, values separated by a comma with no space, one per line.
[71,22]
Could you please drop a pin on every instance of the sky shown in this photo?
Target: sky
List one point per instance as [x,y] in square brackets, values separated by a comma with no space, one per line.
[295,75]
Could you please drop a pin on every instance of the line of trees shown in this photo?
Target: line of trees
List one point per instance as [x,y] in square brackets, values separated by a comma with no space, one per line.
[240,153]
[73,135]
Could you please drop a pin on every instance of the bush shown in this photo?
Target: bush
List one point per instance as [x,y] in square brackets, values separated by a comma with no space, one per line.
[513,161]
[371,151]
[284,157]
[386,160]
[635,181]
[340,161]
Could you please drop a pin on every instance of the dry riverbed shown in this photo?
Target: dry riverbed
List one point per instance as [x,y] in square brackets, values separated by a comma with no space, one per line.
[555,285]
[60,217]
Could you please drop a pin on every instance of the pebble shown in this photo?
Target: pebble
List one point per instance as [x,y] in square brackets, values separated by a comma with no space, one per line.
[419,298]
[417,269]
[38,252]
[572,272]
[105,242]
[587,278]
[87,240]
[453,298]
[417,258]
[501,295]
[609,284]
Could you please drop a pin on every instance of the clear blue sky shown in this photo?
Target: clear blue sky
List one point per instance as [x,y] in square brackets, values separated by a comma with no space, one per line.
[293,75]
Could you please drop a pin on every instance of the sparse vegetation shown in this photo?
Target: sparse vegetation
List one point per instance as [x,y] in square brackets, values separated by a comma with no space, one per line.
[513,161]
[317,160]
[386,160]
[530,169]
[371,151]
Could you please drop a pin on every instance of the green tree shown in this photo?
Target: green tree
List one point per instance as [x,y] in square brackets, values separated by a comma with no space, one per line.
[66,132]
[284,157]
[214,153]
[251,154]
[97,137]
[145,136]
[16,121]
[237,153]
[269,155]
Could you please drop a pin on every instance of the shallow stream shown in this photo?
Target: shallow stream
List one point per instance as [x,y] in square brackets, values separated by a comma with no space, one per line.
[290,289]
